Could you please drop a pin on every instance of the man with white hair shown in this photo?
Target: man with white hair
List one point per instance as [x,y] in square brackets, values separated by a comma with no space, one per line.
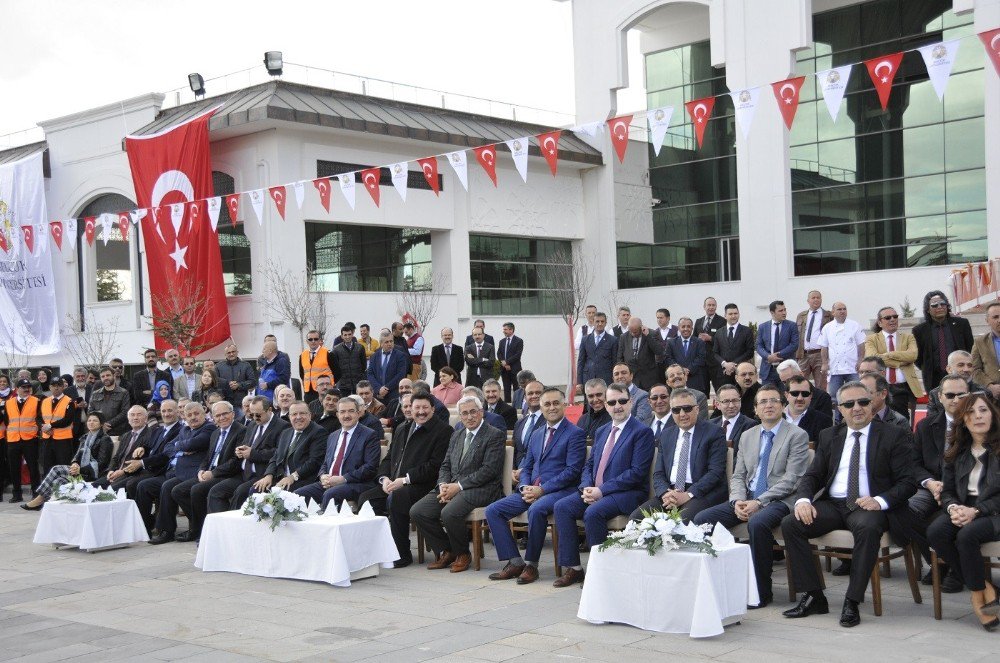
[959,363]
[820,399]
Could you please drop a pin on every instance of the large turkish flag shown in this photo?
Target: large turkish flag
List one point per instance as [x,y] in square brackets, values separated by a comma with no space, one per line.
[185,267]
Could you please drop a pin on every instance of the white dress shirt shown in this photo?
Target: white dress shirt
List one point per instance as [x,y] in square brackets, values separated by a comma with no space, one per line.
[841,340]
[677,454]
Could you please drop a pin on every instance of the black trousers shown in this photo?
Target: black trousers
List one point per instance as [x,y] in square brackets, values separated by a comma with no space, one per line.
[166,513]
[147,494]
[901,399]
[443,525]
[509,379]
[832,514]
[220,497]
[396,506]
[959,546]
[29,451]
[192,496]
[57,452]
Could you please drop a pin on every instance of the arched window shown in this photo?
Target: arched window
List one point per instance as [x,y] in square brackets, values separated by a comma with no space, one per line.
[233,243]
[112,260]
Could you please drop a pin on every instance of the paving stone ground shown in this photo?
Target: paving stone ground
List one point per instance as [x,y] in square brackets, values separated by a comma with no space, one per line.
[150,603]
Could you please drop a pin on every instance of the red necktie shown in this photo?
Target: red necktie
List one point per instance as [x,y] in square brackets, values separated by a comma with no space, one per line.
[335,469]
[891,371]
[606,456]
[942,349]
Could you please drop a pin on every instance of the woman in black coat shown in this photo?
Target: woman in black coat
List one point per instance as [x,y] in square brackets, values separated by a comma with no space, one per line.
[90,462]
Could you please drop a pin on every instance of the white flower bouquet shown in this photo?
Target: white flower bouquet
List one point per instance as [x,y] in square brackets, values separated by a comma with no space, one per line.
[662,530]
[78,491]
[276,506]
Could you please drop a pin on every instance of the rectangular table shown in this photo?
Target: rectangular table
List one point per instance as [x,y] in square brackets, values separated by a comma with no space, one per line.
[91,526]
[679,591]
[329,549]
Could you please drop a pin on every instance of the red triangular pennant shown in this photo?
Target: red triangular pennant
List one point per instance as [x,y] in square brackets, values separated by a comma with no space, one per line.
[429,166]
[487,158]
[195,209]
[29,237]
[618,128]
[323,187]
[882,71]
[56,228]
[370,178]
[233,203]
[123,224]
[88,229]
[548,143]
[700,110]
[277,194]
[3,241]
[786,92]
[991,40]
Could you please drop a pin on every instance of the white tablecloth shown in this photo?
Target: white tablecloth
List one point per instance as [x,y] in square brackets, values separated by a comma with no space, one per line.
[679,591]
[321,548]
[92,525]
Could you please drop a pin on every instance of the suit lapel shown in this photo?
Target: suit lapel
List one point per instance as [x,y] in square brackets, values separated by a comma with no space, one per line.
[836,451]
[874,438]
[669,444]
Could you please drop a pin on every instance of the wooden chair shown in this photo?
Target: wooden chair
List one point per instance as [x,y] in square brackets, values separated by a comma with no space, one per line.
[989,551]
[476,520]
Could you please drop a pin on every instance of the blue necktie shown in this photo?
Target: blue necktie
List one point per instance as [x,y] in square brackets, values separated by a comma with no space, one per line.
[760,485]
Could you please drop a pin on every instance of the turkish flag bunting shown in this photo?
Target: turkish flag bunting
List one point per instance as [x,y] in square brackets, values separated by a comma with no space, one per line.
[323,187]
[786,92]
[277,194]
[56,228]
[487,158]
[185,266]
[429,166]
[3,241]
[700,110]
[233,203]
[89,224]
[29,238]
[195,212]
[549,145]
[883,71]
[618,126]
[123,225]
[370,177]
[991,40]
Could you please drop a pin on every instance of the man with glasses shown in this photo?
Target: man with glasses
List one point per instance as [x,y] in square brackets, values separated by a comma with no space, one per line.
[899,352]
[772,457]
[842,346]
[659,400]
[800,392]
[596,414]
[853,495]
[962,364]
[314,361]
[940,334]
[254,454]
[236,378]
[691,471]
[879,389]
[677,378]
[189,381]
[730,419]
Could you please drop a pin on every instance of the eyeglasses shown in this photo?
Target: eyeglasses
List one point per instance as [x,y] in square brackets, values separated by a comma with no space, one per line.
[863,402]
[800,394]
[769,401]
[890,317]
[677,409]
[658,397]
[937,304]
[468,413]
[954,394]
[731,401]
[618,401]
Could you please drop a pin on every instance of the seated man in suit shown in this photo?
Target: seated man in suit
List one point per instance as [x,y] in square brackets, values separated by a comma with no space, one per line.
[595,413]
[392,416]
[799,393]
[470,477]
[730,419]
[327,419]
[691,472]
[366,418]
[351,462]
[133,445]
[772,457]
[550,471]
[517,400]
[154,463]
[777,340]
[615,479]
[878,386]
[496,404]
[491,418]
[527,424]
[409,471]
[659,400]
[959,363]
[297,457]
[746,380]
[677,378]
[639,398]
[254,454]
[689,351]
[821,400]
[854,495]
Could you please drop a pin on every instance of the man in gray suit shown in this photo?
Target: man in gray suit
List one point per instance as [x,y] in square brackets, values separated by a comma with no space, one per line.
[762,490]
[470,477]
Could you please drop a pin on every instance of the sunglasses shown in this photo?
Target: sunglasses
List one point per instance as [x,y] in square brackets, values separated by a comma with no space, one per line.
[659,397]
[938,304]
[800,394]
[312,339]
[863,402]
[677,409]
[954,394]
[618,401]
[890,317]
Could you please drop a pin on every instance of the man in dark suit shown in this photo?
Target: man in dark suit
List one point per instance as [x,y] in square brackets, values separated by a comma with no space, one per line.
[777,340]
[220,463]
[297,457]
[810,325]
[471,476]
[959,363]
[409,471]
[730,419]
[154,462]
[488,338]
[386,368]
[705,328]
[253,453]
[624,315]
[509,355]
[550,471]
[496,405]
[746,380]
[643,353]
[527,424]
[800,392]
[145,380]
[836,494]
[691,472]
[595,413]
[598,352]
[133,445]
[688,350]
[940,334]
[732,345]
[615,479]
[479,358]
[821,400]
[447,354]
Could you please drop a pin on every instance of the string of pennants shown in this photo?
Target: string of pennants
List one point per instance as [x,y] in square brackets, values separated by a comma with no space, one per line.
[939,59]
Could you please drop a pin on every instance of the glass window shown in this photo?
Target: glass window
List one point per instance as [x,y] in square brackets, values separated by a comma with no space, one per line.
[368,258]
[112,260]
[516,276]
[233,243]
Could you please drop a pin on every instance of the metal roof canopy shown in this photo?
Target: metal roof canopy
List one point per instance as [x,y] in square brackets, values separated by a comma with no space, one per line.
[18,153]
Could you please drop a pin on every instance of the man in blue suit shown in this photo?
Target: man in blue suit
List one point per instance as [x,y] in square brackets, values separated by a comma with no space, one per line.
[386,368]
[691,471]
[550,471]
[598,351]
[352,456]
[614,481]
[689,351]
[509,355]
[777,340]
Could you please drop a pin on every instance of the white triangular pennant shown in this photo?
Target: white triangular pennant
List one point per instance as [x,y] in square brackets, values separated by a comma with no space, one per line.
[300,193]
[41,238]
[745,103]
[214,206]
[833,84]
[519,151]
[460,165]
[107,223]
[137,215]
[400,177]
[588,129]
[346,181]
[659,122]
[177,217]
[69,232]
[939,59]
[257,202]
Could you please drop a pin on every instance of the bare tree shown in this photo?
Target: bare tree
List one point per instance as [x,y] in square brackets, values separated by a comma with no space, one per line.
[614,301]
[423,304]
[569,277]
[91,342]
[180,315]
[292,296]
[16,358]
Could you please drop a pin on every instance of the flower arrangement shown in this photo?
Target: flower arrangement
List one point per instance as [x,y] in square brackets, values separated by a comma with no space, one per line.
[276,506]
[662,530]
[78,491]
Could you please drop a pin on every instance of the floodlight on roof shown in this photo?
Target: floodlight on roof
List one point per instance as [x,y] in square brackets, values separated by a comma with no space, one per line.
[273,62]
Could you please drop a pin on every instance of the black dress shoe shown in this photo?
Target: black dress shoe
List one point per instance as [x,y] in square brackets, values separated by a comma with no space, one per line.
[764,602]
[809,605]
[844,569]
[15,498]
[162,537]
[849,614]
[951,585]
[33,508]
[184,537]
[402,563]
